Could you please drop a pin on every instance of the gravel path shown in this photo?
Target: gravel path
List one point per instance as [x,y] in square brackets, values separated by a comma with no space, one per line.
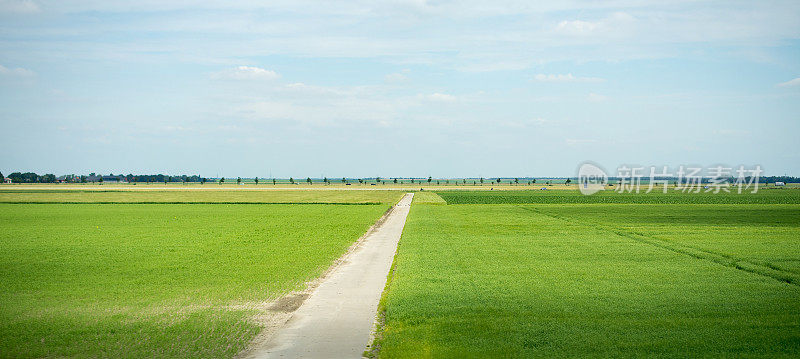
[338,317]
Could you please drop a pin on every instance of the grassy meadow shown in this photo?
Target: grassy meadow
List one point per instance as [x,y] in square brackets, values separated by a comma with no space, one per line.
[529,276]
[159,280]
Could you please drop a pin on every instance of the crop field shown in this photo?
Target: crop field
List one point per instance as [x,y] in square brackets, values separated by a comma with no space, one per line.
[764,196]
[159,280]
[522,277]
[30,194]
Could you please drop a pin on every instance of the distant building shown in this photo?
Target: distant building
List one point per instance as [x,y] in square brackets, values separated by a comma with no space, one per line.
[780,184]
[7,180]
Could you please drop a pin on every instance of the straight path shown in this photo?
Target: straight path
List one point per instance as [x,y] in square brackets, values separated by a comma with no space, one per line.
[338,317]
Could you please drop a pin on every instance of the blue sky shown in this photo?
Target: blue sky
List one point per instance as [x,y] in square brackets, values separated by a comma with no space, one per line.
[396,88]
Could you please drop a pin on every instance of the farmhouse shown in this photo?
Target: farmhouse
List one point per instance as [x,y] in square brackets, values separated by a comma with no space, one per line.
[7,180]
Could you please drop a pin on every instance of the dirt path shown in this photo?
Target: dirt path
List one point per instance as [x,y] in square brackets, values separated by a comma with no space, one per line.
[338,317]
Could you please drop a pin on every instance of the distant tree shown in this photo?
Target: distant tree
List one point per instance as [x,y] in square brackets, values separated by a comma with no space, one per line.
[255,180]
[166,179]
[412,180]
[361,180]
[473,183]
[430,179]
[83,179]
[481,180]
[274,181]
[2,179]
[568,181]
[100,180]
[325,180]
[395,180]
[48,178]
[465,180]
[291,180]
[377,179]
[498,180]
[533,181]
[308,180]
[239,180]
[437,182]
[15,177]
[516,180]
[222,180]
[203,180]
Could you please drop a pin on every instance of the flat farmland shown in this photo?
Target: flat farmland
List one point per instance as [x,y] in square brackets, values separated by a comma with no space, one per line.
[30,194]
[571,195]
[596,280]
[159,280]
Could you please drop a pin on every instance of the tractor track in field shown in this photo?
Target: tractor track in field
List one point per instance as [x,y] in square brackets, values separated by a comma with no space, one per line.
[742,264]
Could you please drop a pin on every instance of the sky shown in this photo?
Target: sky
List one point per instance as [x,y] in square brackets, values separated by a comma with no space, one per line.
[396,88]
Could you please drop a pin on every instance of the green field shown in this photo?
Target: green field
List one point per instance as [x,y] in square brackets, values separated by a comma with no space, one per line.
[198,196]
[764,196]
[596,280]
[182,273]
[159,280]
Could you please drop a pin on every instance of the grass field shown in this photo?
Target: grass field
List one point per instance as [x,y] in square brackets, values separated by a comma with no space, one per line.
[158,280]
[596,280]
[30,194]
[765,196]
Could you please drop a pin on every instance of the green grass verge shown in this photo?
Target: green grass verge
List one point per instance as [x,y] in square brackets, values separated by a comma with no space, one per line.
[163,280]
[569,281]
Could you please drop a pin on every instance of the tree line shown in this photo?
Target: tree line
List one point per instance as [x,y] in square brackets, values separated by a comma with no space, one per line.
[31,177]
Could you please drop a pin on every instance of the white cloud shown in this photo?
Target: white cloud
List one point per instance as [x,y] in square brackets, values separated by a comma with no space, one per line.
[18,6]
[565,78]
[618,22]
[16,71]
[395,78]
[441,97]
[576,27]
[790,83]
[246,73]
